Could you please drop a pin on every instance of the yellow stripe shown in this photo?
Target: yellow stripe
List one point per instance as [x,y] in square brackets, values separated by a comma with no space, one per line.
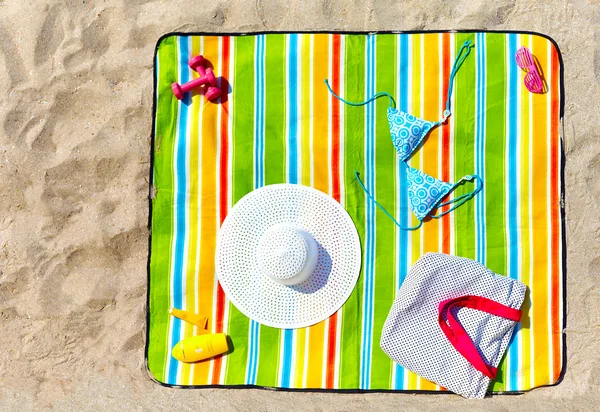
[208,205]
[300,356]
[321,111]
[305,108]
[541,175]
[429,149]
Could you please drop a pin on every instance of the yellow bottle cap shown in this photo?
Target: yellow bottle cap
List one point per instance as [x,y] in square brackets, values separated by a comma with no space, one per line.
[177,352]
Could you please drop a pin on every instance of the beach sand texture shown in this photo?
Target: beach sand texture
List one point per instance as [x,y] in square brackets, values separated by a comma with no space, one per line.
[75,129]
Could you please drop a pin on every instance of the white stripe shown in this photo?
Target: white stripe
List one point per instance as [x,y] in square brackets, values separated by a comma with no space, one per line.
[421,114]
[409,104]
[287,111]
[330,120]
[312,110]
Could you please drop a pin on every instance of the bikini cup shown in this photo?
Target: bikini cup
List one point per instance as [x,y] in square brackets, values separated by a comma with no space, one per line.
[408,131]
[425,194]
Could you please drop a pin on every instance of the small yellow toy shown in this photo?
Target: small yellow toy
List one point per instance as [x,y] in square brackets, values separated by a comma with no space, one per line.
[193,318]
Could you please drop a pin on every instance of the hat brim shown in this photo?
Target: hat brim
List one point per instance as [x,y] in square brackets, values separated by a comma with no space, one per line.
[259,297]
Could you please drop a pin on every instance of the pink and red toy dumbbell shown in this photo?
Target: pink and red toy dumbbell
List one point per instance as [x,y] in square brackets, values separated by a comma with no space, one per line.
[206,77]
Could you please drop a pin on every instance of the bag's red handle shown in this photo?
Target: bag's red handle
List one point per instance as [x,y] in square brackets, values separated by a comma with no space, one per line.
[457,335]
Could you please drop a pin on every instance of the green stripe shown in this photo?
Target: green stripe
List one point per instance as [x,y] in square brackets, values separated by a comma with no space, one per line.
[242,135]
[494,164]
[275,103]
[354,125]
[268,361]
[385,185]
[162,212]
[464,145]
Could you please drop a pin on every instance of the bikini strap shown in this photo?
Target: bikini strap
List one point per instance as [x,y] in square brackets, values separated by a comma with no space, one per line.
[459,201]
[460,58]
[375,96]
[382,208]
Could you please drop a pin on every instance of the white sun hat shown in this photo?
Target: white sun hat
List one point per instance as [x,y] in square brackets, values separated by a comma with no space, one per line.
[288,256]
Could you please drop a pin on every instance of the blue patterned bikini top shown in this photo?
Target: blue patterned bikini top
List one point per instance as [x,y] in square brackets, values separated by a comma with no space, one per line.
[408,132]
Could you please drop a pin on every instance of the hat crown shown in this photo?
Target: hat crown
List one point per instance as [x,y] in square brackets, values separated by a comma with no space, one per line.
[287,254]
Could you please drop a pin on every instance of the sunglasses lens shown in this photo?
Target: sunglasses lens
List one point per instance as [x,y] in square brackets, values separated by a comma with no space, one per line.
[533,82]
[524,58]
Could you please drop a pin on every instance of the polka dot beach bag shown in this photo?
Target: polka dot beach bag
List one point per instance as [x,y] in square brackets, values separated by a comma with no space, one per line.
[452,321]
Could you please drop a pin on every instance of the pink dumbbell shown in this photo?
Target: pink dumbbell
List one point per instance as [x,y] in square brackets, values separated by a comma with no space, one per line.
[206,77]
[197,64]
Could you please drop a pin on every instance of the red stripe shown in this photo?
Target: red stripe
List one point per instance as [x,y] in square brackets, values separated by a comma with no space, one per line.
[335,182]
[223,190]
[555,219]
[335,112]
[445,139]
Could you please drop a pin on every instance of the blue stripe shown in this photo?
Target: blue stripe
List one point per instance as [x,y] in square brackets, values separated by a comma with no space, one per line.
[513,259]
[480,146]
[180,195]
[293,108]
[370,219]
[259,181]
[288,334]
[402,99]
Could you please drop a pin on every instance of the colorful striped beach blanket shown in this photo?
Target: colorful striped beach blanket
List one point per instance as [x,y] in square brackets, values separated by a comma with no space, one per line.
[278,123]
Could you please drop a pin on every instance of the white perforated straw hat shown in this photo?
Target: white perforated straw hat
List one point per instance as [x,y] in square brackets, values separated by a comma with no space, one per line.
[288,256]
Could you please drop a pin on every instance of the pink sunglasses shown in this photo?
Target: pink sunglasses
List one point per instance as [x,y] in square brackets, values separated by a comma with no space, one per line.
[533,79]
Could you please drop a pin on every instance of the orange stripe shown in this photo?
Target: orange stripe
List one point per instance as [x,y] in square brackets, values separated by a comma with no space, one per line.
[223,190]
[555,219]
[315,353]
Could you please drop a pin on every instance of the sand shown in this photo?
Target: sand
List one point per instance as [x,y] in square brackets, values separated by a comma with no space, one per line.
[76,116]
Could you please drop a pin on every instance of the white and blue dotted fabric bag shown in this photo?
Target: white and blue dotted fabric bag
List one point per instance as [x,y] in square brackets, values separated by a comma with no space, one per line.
[452,321]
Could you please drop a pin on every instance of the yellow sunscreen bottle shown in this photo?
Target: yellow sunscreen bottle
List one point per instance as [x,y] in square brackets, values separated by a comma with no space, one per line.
[199,348]
[193,318]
